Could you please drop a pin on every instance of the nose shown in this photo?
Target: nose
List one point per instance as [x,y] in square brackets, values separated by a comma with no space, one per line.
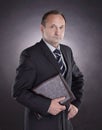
[57,32]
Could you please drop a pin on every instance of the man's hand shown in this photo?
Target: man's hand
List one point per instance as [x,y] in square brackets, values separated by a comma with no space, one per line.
[72,111]
[56,107]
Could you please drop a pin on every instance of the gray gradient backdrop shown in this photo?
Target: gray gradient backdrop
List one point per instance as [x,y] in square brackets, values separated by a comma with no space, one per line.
[20,28]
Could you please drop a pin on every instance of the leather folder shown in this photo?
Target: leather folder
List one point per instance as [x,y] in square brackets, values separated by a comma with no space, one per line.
[55,87]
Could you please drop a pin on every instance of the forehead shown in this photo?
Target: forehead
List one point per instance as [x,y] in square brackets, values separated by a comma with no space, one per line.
[55,19]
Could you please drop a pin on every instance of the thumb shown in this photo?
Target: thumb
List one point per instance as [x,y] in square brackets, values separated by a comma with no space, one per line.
[60,99]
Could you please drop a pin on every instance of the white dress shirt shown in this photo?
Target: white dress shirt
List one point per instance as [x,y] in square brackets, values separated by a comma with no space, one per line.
[52,48]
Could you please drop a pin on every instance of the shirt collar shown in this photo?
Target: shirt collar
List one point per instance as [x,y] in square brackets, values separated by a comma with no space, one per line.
[52,48]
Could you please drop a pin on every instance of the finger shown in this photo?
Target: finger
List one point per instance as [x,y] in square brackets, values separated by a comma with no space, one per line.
[60,99]
[69,107]
[62,107]
[70,115]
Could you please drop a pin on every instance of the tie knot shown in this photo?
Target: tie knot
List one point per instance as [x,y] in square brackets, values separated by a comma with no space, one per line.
[57,52]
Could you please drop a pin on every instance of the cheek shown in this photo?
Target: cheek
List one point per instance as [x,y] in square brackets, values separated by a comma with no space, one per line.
[50,33]
[62,33]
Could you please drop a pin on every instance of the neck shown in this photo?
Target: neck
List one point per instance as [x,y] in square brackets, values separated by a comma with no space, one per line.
[55,45]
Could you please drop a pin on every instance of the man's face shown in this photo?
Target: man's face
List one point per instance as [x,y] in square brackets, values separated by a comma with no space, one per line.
[53,31]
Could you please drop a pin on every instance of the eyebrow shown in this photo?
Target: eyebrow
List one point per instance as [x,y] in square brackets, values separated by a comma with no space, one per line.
[55,25]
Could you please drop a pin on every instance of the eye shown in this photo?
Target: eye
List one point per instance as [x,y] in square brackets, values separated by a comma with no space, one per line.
[61,27]
[53,26]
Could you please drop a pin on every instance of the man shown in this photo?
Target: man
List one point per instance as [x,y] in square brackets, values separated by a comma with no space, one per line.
[37,64]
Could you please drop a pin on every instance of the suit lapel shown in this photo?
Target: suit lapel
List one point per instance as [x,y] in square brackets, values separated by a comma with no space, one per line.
[50,57]
[48,54]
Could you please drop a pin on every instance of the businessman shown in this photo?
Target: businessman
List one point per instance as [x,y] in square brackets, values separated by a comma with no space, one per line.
[40,62]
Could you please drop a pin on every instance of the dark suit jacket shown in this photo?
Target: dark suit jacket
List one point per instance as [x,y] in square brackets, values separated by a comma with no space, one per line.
[37,64]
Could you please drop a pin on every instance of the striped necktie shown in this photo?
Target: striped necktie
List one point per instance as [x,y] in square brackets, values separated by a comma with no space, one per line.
[59,60]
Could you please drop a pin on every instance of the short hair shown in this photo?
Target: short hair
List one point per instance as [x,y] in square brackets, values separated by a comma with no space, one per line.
[55,12]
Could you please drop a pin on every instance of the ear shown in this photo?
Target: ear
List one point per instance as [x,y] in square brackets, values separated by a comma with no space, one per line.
[42,28]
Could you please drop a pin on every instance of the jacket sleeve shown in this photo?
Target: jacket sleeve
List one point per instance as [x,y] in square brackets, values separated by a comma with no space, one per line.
[25,79]
[77,83]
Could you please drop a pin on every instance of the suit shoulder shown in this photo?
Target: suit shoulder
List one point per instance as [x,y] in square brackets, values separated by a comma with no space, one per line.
[65,47]
[32,49]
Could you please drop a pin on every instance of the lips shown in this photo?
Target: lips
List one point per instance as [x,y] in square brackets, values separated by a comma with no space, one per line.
[58,38]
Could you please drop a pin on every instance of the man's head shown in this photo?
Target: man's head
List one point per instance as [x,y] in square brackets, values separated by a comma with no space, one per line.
[53,27]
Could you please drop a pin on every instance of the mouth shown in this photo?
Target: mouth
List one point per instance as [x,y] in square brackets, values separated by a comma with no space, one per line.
[57,38]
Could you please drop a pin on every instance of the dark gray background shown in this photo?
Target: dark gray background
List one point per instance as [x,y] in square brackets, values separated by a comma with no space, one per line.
[20,28]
